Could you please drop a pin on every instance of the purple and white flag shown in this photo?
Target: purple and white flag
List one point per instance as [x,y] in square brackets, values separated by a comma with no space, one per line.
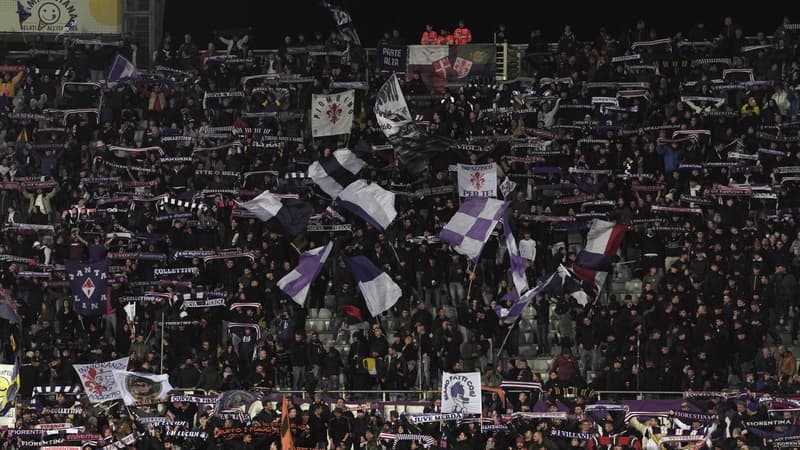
[518,263]
[510,315]
[369,201]
[297,282]
[121,69]
[472,224]
[335,172]
[292,214]
[379,290]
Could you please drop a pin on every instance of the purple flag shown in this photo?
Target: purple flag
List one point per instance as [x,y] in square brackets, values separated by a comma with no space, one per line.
[510,315]
[472,224]
[88,282]
[297,282]
[518,263]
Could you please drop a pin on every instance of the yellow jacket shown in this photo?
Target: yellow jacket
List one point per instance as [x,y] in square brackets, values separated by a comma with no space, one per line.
[8,89]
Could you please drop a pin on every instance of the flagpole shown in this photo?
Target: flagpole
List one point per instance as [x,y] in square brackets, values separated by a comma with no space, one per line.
[161,362]
[500,351]
[469,285]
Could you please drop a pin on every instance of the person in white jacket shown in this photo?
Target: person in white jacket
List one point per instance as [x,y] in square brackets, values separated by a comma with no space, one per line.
[781,100]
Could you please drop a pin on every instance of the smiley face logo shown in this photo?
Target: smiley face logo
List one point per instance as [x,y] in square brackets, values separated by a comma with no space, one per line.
[49,14]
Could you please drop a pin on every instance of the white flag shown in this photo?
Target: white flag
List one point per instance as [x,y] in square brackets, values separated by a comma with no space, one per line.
[98,379]
[136,387]
[478,180]
[461,393]
[332,114]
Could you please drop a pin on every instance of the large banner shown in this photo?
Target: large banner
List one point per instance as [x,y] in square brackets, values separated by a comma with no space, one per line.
[98,379]
[442,64]
[461,393]
[89,285]
[392,112]
[9,382]
[478,180]
[391,58]
[332,114]
[61,16]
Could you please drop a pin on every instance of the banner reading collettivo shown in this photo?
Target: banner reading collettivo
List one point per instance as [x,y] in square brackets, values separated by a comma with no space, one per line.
[61,16]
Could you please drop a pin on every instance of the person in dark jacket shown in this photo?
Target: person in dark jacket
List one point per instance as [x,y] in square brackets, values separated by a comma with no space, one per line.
[298,357]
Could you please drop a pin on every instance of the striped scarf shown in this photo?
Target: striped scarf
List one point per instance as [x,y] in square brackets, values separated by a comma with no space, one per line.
[708,61]
[773,138]
[15,259]
[427,441]
[231,255]
[432,417]
[191,254]
[163,421]
[132,168]
[138,256]
[252,326]
[663,41]
[676,210]
[123,442]
[187,434]
[131,151]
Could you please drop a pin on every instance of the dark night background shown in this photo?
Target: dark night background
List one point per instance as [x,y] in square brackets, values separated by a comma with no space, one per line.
[272,19]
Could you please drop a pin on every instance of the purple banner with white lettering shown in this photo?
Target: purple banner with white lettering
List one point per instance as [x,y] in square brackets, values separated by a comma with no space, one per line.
[391,58]
[89,285]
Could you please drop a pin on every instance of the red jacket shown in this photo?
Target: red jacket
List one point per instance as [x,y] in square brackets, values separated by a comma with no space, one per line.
[462,36]
[446,40]
[429,38]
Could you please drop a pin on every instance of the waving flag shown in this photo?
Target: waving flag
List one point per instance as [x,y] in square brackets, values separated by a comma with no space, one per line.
[602,243]
[344,24]
[297,282]
[89,285]
[23,12]
[287,441]
[518,263]
[565,283]
[98,380]
[121,69]
[292,214]
[141,388]
[334,173]
[413,146]
[510,315]
[379,290]
[369,201]
[471,226]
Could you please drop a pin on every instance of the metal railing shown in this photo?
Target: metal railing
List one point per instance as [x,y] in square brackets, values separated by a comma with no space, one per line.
[432,394]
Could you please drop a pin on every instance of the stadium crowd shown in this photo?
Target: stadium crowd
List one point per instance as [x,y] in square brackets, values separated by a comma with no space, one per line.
[697,155]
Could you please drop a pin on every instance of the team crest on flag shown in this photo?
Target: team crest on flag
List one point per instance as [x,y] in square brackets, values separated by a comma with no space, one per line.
[507,187]
[88,283]
[462,67]
[477,180]
[332,114]
[461,393]
[98,379]
[442,66]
